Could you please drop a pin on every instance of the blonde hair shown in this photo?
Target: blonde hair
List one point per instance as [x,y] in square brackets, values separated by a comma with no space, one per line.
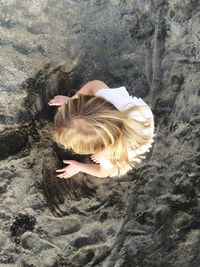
[90,124]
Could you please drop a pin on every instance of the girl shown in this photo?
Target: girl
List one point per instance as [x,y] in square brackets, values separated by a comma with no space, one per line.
[114,128]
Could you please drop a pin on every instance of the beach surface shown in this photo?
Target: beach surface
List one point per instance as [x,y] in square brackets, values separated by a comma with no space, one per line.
[151,216]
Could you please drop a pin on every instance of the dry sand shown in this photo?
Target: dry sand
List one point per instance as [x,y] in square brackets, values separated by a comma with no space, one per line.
[150,217]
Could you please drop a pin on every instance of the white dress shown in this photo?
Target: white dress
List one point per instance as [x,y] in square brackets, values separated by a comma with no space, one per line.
[121,99]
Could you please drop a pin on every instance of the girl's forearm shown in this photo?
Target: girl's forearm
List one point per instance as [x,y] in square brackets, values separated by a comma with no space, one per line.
[94,170]
[90,88]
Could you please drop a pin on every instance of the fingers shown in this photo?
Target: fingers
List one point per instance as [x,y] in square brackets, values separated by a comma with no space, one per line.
[58,100]
[64,175]
[94,159]
[61,170]
[54,103]
[60,176]
[65,168]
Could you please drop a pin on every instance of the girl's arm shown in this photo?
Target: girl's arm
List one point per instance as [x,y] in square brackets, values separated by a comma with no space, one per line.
[75,167]
[91,88]
[95,170]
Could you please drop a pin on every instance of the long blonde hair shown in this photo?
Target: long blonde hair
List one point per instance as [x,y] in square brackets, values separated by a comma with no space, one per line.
[90,124]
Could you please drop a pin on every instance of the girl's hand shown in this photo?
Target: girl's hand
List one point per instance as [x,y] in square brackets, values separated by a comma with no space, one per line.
[98,157]
[102,158]
[58,100]
[69,171]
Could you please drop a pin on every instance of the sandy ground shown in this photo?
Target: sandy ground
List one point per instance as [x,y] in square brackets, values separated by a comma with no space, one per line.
[150,217]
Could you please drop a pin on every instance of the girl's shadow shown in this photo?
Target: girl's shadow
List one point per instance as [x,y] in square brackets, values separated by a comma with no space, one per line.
[60,192]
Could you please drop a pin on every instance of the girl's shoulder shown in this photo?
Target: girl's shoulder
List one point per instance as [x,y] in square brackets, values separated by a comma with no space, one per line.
[122,100]
[117,96]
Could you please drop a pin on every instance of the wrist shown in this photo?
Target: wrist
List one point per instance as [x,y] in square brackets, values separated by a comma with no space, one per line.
[82,166]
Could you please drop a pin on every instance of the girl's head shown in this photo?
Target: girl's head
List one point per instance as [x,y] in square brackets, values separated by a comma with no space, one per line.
[87,125]
[90,124]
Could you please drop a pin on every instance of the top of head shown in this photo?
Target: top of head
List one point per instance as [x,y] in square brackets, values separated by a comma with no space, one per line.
[88,124]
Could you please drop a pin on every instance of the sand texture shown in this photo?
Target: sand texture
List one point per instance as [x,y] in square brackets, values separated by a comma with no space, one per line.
[148,218]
